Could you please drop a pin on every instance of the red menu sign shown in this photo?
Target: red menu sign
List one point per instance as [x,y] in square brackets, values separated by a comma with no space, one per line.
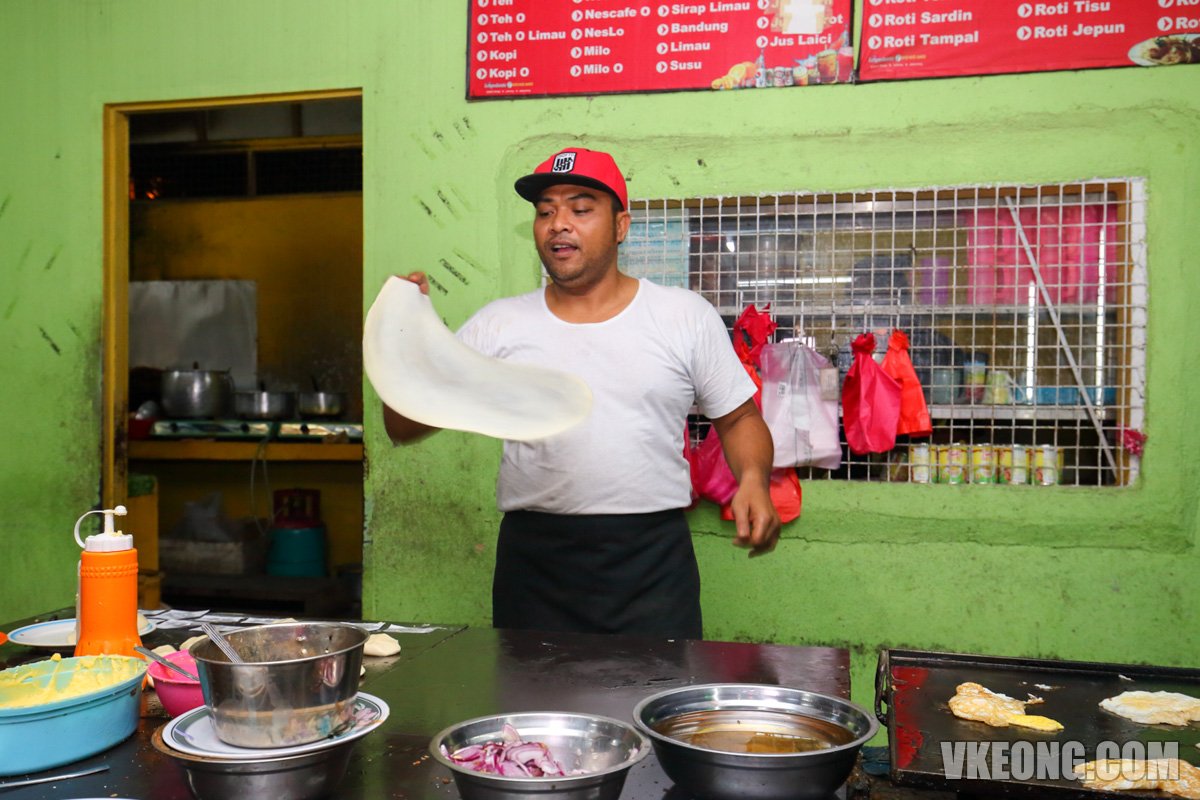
[562,47]
[934,38]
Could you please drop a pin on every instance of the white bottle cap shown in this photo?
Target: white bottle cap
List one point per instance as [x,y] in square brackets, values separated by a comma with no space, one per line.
[111,540]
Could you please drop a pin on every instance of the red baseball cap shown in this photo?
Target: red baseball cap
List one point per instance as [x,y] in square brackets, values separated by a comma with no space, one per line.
[576,165]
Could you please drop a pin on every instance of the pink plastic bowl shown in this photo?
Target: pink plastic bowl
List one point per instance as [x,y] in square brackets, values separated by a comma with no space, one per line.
[176,693]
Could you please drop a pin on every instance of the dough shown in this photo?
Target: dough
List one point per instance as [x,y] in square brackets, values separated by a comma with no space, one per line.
[421,371]
[380,644]
[191,641]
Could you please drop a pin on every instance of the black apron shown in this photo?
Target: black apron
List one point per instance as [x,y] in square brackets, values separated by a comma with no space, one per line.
[597,573]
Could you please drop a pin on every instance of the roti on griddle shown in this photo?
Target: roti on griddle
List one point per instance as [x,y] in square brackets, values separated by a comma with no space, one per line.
[1171,775]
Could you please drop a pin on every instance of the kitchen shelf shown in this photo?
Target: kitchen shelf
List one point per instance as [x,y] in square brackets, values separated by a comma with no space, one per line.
[1026,413]
[887,309]
[212,450]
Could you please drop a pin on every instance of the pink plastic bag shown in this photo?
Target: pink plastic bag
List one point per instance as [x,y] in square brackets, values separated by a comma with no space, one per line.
[870,402]
[711,477]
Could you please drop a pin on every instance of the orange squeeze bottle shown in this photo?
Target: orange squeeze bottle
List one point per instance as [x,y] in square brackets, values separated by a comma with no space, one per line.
[107,607]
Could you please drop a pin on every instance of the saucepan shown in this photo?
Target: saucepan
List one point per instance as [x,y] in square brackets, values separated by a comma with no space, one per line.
[320,403]
[263,404]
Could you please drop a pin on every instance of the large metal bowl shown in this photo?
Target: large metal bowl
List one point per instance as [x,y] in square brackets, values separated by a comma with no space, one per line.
[301,777]
[297,686]
[601,749]
[779,715]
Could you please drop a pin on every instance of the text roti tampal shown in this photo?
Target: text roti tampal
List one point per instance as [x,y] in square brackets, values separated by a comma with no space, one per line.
[421,371]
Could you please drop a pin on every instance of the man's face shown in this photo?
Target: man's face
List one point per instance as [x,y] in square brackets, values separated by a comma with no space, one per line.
[577,230]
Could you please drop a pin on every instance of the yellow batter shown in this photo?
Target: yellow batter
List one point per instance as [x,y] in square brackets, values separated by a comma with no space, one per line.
[53,680]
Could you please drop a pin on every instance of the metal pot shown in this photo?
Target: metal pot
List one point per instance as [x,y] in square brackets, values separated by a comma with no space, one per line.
[263,404]
[321,404]
[296,685]
[196,393]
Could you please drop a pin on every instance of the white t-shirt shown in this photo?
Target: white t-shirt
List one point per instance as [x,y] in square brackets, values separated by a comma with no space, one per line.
[665,352]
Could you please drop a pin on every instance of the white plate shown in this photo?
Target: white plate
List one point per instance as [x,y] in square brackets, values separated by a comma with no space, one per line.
[57,634]
[1138,54]
[193,733]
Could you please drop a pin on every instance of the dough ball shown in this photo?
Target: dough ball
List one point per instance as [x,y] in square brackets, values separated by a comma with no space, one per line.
[380,644]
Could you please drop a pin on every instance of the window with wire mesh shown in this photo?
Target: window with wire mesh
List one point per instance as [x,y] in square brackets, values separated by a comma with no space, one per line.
[1024,308]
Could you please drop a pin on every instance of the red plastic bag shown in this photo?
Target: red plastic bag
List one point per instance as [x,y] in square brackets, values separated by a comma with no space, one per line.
[914,414]
[786,496]
[870,402]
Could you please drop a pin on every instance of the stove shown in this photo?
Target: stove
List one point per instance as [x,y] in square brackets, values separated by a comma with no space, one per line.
[254,430]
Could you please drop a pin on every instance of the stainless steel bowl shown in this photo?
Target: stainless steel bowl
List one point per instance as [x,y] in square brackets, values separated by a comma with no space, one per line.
[298,683]
[600,748]
[302,777]
[264,405]
[777,712]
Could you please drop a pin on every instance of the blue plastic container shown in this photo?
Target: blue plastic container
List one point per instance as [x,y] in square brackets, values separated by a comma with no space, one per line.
[46,735]
[1069,395]
[297,552]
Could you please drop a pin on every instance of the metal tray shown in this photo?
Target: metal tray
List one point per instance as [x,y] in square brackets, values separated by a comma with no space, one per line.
[915,685]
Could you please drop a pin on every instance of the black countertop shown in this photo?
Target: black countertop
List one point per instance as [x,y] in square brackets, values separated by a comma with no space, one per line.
[456,673]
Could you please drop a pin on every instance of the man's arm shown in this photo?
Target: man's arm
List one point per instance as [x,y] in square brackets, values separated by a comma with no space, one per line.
[402,430]
[749,451]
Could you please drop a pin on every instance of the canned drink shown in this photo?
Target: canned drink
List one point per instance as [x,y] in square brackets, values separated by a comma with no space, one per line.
[983,464]
[952,464]
[918,463]
[1046,465]
[1012,464]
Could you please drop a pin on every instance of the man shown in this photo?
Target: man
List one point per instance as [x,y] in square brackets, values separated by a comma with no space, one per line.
[594,537]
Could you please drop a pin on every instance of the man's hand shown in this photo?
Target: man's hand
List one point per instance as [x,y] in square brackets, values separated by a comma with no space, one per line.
[755,516]
[419,279]
[748,449]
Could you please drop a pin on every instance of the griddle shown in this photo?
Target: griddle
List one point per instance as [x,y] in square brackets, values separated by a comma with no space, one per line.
[916,686]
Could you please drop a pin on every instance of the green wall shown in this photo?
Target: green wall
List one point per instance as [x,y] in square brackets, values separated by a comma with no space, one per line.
[1070,573]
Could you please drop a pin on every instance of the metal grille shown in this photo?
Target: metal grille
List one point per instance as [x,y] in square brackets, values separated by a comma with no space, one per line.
[1024,307]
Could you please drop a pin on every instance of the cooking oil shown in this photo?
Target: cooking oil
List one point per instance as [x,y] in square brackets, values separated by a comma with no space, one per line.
[754,731]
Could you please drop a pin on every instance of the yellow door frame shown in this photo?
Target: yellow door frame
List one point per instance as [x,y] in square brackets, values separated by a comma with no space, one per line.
[114,473]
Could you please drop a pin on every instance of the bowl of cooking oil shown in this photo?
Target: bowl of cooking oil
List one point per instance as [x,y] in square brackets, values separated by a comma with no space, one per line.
[754,742]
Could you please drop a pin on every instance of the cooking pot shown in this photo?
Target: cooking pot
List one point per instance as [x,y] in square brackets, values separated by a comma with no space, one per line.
[196,393]
[263,404]
[321,404]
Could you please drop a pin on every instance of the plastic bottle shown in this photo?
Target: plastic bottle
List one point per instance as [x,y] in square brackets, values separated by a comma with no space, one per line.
[106,609]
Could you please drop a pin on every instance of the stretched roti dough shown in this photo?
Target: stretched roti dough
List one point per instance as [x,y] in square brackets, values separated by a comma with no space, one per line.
[421,371]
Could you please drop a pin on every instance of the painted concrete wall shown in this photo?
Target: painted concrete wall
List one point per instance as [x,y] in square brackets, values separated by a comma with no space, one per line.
[1071,573]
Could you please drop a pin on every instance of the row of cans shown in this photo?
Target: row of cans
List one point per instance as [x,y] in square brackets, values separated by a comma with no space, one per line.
[1041,465]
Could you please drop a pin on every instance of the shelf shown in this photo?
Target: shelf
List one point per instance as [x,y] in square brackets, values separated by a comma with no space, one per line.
[212,450]
[888,309]
[1040,413]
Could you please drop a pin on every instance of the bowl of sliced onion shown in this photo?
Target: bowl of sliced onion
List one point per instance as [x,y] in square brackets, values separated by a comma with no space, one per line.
[551,755]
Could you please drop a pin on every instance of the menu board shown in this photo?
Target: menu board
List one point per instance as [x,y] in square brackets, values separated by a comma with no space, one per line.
[564,47]
[904,39]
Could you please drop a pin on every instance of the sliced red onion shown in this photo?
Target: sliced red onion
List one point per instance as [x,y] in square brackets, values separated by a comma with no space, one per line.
[510,757]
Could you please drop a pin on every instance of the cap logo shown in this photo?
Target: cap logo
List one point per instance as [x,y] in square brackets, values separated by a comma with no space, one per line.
[563,162]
